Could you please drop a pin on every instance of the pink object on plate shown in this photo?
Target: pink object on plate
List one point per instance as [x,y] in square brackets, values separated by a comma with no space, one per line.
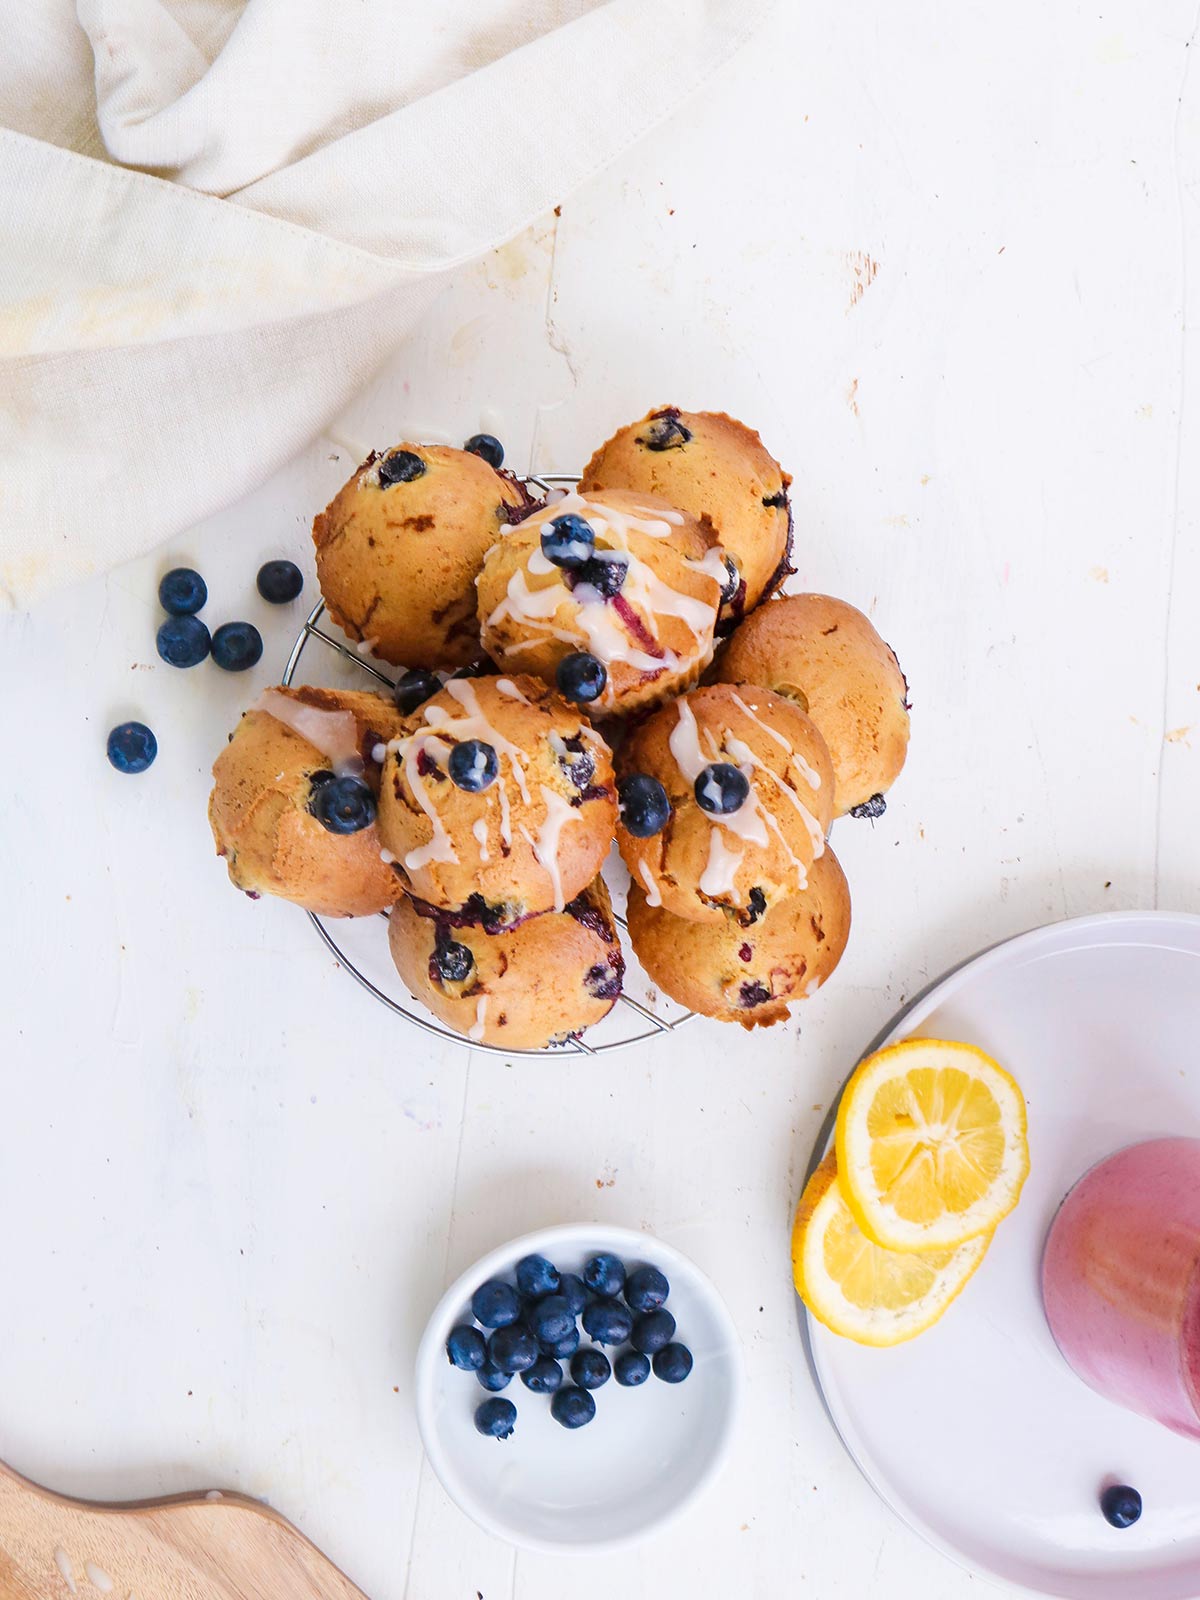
[1121,1280]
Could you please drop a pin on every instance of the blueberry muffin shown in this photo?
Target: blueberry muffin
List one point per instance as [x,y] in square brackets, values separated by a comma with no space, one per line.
[826,657]
[611,597]
[399,547]
[719,470]
[523,988]
[498,799]
[747,975]
[726,796]
[294,800]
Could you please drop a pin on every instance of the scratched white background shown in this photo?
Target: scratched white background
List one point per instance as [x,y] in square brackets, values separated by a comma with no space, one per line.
[945,258]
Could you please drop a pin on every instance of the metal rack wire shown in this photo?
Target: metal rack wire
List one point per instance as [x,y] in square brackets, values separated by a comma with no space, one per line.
[608,1035]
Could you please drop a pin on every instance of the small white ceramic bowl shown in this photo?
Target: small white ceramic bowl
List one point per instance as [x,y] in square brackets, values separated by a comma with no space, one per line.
[647,1454]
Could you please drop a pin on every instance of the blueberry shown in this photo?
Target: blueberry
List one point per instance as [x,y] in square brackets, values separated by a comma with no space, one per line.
[183,641]
[568,541]
[644,807]
[872,808]
[733,581]
[646,1289]
[491,1377]
[343,805]
[551,1319]
[721,788]
[631,1368]
[536,1277]
[132,747]
[590,1368]
[279,582]
[236,646]
[1121,1505]
[512,1348]
[604,1274]
[573,1407]
[182,591]
[605,575]
[581,677]
[453,961]
[673,1363]
[573,1290]
[544,1376]
[578,764]
[488,447]
[402,466]
[560,1349]
[496,1419]
[665,432]
[465,1348]
[473,765]
[495,1304]
[607,1321]
[653,1332]
[413,688]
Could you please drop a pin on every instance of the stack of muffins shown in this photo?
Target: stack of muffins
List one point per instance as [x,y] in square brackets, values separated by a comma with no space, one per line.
[478,803]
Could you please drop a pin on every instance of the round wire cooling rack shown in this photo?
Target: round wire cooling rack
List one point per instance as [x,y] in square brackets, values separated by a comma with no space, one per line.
[360,952]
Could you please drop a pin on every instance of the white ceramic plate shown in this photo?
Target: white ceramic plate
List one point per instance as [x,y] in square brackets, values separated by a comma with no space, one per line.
[977,1433]
[647,1454]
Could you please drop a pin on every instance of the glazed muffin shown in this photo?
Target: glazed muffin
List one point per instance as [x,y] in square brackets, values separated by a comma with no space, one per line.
[498,799]
[611,597]
[537,984]
[294,800]
[399,547]
[719,470]
[826,656]
[726,797]
[747,975]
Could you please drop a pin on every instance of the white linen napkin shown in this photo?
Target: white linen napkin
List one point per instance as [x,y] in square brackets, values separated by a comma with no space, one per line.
[219,216]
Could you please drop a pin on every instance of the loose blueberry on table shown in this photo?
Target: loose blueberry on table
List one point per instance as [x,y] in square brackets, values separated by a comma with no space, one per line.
[536,1277]
[646,1289]
[573,1290]
[402,466]
[573,1407]
[488,447]
[491,1377]
[581,677]
[721,789]
[466,1348]
[182,592]
[413,688]
[590,1368]
[342,805]
[512,1348]
[473,765]
[672,1363]
[237,646]
[550,1319]
[631,1369]
[604,1274]
[560,1349]
[643,805]
[279,582]
[1121,1505]
[131,747]
[183,641]
[545,1376]
[495,1304]
[496,1419]
[653,1331]
[568,542]
[608,1321]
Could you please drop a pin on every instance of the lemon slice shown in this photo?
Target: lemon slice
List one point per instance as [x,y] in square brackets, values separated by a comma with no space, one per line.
[931,1144]
[858,1289]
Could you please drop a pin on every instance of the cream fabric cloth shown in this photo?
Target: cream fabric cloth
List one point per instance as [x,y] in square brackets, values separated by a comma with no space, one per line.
[219,216]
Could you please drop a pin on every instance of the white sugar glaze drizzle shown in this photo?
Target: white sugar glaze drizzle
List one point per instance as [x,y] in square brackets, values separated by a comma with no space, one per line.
[721,870]
[559,811]
[812,776]
[507,687]
[386,856]
[749,763]
[333,733]
[596,624]
[475,1031]
[480,829]
[653,896]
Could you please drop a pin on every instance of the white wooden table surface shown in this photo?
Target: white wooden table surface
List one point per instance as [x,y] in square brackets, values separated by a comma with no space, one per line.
[945,258]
